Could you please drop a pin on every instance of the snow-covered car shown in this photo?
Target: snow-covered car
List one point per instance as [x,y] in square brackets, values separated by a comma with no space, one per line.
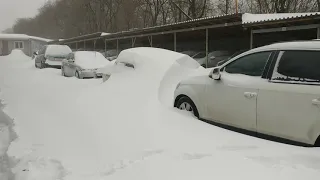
[213,58]
[272,91]
[83,64]
[52,56]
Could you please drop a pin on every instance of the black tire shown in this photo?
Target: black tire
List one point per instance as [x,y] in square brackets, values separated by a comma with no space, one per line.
[77,74]
[42,65]
[186,99]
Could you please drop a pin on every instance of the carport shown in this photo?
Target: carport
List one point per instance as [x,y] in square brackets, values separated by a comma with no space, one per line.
[291,28]
[218,33]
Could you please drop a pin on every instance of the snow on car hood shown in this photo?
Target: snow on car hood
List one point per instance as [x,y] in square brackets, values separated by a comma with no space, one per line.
[90,60]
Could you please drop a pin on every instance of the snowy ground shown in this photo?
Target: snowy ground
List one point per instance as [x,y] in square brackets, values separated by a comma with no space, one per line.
[72,129]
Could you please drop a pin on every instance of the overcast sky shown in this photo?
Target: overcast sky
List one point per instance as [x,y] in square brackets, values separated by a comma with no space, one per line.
[10,10]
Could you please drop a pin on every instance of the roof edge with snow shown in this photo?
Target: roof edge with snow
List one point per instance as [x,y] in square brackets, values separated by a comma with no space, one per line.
[22,37]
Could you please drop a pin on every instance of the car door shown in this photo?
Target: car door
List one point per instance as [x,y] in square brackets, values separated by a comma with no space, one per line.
[289,104]
[233,99]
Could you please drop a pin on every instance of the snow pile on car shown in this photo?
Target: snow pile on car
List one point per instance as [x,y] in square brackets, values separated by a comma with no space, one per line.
[90,59]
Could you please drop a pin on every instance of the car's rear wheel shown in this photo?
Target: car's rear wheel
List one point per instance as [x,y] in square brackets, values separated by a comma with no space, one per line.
[186,104]
[78,75]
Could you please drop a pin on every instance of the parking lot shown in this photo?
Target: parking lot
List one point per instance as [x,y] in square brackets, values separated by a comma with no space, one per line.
[127,124]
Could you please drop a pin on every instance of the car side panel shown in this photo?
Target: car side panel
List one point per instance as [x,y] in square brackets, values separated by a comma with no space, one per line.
[286,111]
[196,94]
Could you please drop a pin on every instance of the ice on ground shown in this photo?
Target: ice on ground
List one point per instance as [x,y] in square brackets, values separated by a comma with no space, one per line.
[125,129]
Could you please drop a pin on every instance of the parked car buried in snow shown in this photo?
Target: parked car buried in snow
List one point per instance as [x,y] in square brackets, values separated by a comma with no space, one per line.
[51,56]
[83,64]
[271,91]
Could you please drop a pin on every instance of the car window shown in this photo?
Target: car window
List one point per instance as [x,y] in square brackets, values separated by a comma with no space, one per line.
[298,66]
[251,65]
[200,55]
[219,53]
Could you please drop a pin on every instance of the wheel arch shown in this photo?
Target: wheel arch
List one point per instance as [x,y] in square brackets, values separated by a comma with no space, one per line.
[192,95]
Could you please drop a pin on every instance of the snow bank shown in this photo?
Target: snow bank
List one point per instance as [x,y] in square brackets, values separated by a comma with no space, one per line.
[90,60]
[7,135]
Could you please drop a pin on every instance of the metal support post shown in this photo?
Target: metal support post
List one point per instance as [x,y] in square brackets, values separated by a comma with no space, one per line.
[175,41]
[207,47]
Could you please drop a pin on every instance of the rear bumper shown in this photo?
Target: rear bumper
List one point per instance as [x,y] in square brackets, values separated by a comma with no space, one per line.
[53,64]
[90,74]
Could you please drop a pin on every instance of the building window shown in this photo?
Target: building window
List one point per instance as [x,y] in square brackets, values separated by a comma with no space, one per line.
[18,45]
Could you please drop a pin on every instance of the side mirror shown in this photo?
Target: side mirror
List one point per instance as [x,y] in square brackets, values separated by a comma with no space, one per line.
[215,73]
[35,53]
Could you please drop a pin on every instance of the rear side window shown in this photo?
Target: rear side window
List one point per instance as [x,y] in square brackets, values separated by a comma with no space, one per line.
[251,65]
[298,66]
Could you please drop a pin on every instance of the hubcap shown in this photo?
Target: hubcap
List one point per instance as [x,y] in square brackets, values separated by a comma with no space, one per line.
[186,106]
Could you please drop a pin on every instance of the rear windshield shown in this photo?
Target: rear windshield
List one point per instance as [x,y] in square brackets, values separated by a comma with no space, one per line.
[58,51]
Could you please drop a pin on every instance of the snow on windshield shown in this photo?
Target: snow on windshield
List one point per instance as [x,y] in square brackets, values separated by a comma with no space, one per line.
[90,59]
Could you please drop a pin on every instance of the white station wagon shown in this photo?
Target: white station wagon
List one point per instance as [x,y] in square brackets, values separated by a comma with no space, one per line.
[271,91]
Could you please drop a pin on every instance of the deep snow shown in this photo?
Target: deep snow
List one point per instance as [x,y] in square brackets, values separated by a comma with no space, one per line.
[125,128]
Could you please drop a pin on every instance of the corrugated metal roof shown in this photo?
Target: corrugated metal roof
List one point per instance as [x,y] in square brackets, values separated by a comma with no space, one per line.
[260,18]
[199,20]
[246,19]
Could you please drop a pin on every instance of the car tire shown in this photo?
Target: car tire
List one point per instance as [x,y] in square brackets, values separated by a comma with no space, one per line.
[77,74]
[42,65]
[185,103]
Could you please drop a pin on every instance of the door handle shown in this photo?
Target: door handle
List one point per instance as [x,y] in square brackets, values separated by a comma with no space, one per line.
[250,95]
[316,102]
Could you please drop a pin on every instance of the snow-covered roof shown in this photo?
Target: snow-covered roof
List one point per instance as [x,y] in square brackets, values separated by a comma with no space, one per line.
[105,34]
[22,37]
[248,18]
